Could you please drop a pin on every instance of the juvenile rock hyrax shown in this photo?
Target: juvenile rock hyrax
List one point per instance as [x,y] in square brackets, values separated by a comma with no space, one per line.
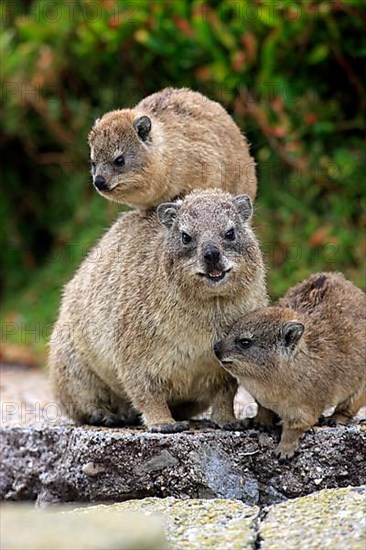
[303,356]
[139,319]
[172,142]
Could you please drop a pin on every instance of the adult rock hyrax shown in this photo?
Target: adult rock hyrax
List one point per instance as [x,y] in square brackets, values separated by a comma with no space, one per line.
[172,142]
[303,356]
[139,319]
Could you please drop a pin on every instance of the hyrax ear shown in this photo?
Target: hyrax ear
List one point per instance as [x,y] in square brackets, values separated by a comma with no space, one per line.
[96,121]
[167,212]
[142,126]
[291,333]
[244,205]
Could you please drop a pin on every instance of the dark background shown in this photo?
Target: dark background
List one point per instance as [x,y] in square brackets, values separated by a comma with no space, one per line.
[292,74]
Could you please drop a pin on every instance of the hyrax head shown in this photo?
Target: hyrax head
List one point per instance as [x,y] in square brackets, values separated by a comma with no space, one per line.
[261,343]
[119,154]
[208,241]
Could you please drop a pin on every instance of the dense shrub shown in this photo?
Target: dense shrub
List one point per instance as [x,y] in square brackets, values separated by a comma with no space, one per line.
[291,73]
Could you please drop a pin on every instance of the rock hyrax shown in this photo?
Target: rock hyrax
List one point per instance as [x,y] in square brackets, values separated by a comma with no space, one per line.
[172,142]
[139,319]
[303,356]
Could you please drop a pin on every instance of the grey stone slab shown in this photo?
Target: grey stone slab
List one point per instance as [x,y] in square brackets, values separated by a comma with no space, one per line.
[65,463]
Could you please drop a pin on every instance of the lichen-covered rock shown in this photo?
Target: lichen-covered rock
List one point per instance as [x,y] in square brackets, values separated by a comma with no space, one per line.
[65,463]
[101,527]
[198,524]
[333,519]
[330,519]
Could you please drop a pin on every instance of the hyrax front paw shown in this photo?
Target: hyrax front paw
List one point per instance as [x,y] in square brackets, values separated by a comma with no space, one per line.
[284,452]
[171,428]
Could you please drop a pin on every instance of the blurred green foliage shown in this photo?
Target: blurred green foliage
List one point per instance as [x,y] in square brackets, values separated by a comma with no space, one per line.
[292,74]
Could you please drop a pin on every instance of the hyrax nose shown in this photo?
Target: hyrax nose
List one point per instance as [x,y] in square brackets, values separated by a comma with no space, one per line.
[218,350]
[100,183]
[211,254]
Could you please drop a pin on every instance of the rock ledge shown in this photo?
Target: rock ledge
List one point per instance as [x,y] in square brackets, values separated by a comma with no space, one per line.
[65,463]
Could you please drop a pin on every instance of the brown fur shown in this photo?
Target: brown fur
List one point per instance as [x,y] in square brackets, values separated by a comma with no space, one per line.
[193,144]
[295,375]
[139,319]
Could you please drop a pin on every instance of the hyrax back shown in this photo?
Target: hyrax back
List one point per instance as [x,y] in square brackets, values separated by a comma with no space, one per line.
[138,321]
[172,142]
[303,356]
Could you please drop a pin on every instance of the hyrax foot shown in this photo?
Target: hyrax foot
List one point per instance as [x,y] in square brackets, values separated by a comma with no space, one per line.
[327,421]
[236,426]
[223,404]
[285,451]
[170,428]
[339,418]
[290,438]
[107,419]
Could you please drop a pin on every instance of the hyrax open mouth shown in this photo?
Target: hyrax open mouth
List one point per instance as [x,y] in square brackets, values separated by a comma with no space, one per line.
[215,275]
[226,361]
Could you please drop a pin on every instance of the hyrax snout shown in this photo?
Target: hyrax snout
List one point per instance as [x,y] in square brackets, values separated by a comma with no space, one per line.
[136,328]
[172,142]
[303,356]
[206,244]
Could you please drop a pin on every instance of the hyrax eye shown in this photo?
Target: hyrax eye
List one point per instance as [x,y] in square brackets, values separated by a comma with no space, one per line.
[230,235]
[186,239]
[119,161]
[245,343]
